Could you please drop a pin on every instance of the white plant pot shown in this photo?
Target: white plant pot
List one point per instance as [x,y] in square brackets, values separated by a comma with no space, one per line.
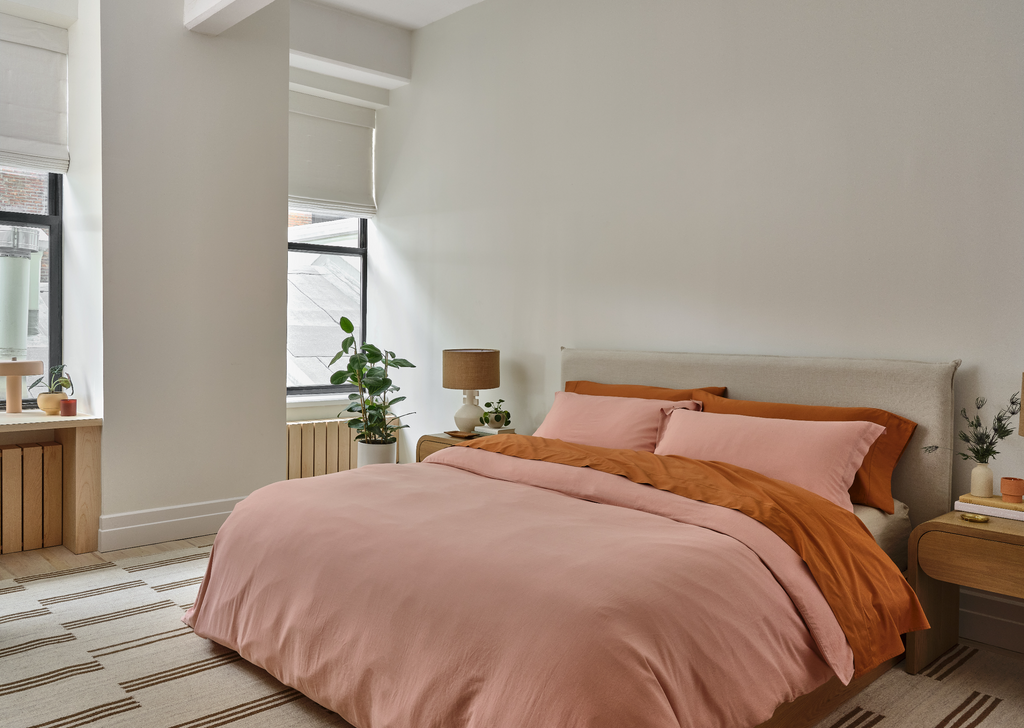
[495,421]
[981,481]
[370,454]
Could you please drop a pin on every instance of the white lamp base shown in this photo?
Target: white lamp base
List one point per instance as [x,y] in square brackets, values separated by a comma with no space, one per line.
[469,414]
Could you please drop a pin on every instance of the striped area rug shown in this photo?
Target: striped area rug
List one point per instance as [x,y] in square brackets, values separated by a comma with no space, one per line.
[965,688]
[104,645]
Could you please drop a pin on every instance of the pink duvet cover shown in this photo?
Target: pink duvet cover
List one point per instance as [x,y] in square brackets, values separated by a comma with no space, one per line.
[484,591]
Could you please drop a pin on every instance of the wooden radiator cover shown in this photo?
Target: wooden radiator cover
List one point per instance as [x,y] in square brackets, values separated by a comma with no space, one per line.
[318,447]
[31,496]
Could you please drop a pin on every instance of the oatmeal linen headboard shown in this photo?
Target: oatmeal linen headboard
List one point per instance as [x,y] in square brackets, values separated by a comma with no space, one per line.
[920,391]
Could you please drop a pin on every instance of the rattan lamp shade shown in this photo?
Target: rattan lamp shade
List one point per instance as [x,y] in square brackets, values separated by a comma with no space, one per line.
[471,369]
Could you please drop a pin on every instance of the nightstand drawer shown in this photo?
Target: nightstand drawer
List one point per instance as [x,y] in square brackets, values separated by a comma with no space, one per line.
[429,447]
[974,562]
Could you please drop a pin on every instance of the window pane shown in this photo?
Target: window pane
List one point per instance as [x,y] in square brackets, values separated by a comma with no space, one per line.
[322,288]
[320,229]
[24,299]
[23,190]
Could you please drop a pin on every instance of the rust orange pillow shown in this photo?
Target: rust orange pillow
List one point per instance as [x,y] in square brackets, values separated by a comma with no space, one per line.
[636,391]
[872,485]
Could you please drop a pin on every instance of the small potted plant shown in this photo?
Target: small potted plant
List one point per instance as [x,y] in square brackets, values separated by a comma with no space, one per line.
[49,401]
[369,369]
[495,416]
[981,442]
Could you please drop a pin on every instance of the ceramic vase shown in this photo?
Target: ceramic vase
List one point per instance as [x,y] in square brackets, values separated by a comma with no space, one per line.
[49,402]
[1012,490]
[981,481]
[495,420]
[372,454]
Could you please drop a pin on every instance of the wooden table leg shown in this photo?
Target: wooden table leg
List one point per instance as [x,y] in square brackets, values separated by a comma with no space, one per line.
[941,602]
[81,447]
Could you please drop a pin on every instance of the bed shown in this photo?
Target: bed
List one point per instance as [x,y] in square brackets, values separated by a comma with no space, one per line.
[484,588]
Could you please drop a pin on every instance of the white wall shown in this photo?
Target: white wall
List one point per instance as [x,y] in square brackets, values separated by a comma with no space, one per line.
[83,213]
[194,223]
[827,179]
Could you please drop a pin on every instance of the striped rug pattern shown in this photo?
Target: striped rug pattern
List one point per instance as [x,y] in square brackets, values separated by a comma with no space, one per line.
[964,688]
[104,646]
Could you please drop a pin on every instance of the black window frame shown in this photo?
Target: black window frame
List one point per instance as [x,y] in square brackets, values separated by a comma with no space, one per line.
[54,223]
[355,252]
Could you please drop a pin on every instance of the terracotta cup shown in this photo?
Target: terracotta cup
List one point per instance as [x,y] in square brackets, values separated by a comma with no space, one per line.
[1012,489]
[68,407]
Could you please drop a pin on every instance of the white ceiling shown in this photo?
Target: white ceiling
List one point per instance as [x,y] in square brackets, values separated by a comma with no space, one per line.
[410,14]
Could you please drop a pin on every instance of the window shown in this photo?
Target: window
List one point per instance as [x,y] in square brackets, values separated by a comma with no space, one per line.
[30,270]
[326,280]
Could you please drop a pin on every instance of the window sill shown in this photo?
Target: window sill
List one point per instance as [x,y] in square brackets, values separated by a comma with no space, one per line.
[312,400]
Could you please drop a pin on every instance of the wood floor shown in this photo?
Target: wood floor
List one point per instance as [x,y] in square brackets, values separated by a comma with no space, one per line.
[58,558]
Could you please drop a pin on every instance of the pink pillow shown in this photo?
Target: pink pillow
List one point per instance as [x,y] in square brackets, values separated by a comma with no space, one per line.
[821,457]
[616,422]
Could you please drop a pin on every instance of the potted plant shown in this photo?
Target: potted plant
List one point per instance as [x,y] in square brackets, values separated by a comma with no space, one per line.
[981,442]
[368,368]
[495,416]
[49,401]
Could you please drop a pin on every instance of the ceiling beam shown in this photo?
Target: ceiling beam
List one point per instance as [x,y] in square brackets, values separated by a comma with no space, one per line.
[337,89]
[333,42]
[213,17]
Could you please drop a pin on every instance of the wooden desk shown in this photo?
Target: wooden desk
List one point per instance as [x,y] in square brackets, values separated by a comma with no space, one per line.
[947,552]
[80,438]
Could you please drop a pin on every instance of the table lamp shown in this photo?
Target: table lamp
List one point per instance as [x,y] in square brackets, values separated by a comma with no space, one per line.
[470,370]
[14,371]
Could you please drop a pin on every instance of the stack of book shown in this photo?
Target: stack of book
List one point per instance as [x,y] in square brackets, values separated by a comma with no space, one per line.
[994,506]
[496,430]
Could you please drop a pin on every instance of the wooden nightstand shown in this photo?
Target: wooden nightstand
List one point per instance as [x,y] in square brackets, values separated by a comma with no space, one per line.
[947,552]
[429,444]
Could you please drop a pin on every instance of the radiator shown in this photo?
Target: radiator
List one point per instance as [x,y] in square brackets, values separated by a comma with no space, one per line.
[317,447]
[31,496]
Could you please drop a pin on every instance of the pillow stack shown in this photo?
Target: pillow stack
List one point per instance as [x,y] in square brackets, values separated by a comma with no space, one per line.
[622,423]
[872,484]
[821,457]
[844,454]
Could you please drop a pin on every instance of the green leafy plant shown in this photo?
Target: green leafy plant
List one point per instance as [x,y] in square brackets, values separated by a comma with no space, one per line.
[57,378]
[494,408]
[368,368]
[981,441]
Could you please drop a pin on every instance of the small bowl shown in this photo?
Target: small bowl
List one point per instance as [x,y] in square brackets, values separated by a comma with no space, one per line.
[1012,490]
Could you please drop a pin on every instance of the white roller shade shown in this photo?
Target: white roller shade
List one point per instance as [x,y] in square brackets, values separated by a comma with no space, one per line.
[33,95]
[330,156]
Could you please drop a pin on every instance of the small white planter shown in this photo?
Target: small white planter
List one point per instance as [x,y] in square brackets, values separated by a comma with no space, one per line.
[369,454]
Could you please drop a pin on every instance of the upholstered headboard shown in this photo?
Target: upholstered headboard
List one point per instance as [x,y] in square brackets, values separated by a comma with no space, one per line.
[920,391]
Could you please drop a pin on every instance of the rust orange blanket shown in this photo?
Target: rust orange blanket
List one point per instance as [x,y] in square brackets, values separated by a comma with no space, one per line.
[871,600]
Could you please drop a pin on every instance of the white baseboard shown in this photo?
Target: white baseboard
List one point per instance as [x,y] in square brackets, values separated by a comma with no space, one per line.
[156,525]
[992,619]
